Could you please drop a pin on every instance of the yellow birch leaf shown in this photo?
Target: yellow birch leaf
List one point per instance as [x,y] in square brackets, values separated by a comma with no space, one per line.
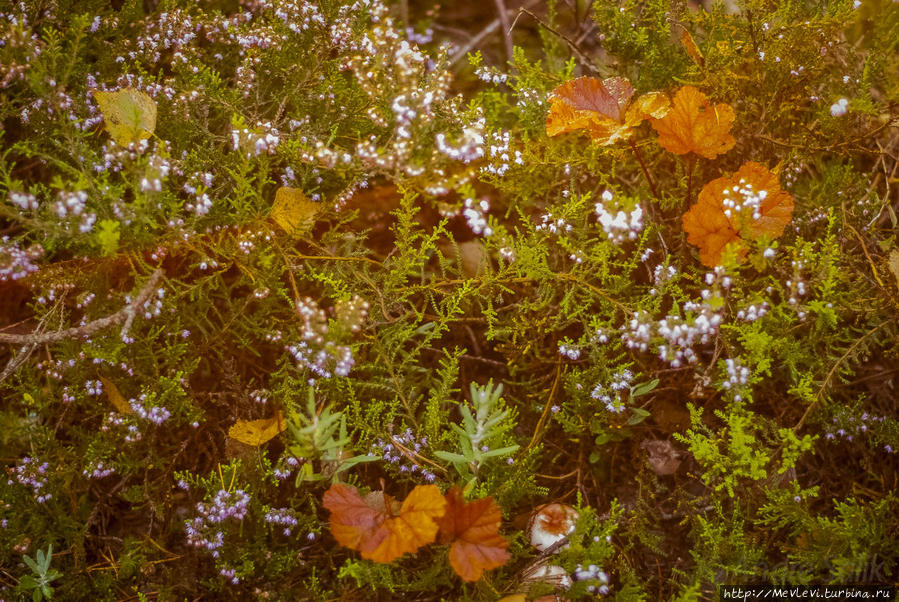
[689,44]
[128,114]
[115,396]
[257,432]
[293,211]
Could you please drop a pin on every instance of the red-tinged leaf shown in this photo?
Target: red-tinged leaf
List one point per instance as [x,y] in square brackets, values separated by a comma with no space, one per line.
[376,528]
[472,529]
[601,108]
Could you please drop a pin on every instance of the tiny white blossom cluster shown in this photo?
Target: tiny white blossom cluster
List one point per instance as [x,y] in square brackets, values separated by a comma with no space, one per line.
[491,75]
[200,204]
[743,202]
[619,225]
[753,312]
[23,200]
[839,108]
[157,171]
[261,140]
[468,147]
[499,156]
[74,203]
[737,376]
[570,351]
[323,357]
[553,225]
[693,324]
[475,214]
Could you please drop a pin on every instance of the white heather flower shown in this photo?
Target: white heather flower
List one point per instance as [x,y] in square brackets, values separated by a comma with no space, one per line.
[839,108]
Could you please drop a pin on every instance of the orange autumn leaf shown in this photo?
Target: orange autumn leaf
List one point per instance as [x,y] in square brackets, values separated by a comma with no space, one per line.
[693,125]
[379,527]
[473,530]
[602,107]
[689,44]
[746,206]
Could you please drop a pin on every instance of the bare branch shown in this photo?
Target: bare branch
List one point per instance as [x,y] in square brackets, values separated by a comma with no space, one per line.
[123,316]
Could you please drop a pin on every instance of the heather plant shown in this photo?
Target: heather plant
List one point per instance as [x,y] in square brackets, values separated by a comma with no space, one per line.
[318,299]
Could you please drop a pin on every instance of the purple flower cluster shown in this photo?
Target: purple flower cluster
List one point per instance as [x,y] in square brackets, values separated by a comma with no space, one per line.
[402,451]
[16,262]
[98,470]
[846,425]
[204,531]
[611,396]
[31,473]
[322,357]
[283,517]
[155,414]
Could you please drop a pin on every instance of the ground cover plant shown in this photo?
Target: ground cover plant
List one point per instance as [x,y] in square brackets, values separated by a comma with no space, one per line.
[324,299]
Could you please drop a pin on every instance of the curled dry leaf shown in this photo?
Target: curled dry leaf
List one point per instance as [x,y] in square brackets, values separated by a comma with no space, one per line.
[693,125]
[472,529]
[257,432]
[293,211]
[129,115]
[746,206]
[380,528]
[602,107]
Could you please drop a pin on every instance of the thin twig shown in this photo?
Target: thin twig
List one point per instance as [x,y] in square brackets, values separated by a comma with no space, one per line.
[652,186]
[123,316]
[583,58]
[691,162]
[507,30]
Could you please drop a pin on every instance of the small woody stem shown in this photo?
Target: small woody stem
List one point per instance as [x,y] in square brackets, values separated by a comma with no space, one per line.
[691,162]
[652,186]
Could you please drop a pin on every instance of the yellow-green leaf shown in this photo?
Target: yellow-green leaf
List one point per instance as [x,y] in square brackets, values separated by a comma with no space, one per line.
[257,432]
[128,114]
[115,396]
[894,264]
[293,211]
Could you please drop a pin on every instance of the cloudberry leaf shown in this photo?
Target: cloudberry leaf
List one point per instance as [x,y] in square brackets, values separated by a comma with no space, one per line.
[694,125]
[257,432]
[129,115]
[746,206]
[601,107]
[472,528]
[379,529]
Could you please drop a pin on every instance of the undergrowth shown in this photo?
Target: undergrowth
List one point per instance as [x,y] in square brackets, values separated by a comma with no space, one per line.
[465,305]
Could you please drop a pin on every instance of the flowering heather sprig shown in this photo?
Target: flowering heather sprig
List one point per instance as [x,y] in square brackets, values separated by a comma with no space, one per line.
[620,225]
[611,396]
[98,470]
[324,358]
[695,324]
[33,474]
[475,215]
[737,376]
[284,517]
[593,573]
[16,262]
[848,423]
[398,450]
[23,200]
[205,531]
[155,414]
